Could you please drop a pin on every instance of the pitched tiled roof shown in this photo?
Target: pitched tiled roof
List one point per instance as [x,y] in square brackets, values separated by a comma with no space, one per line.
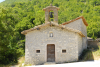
[84,21]
[55,24]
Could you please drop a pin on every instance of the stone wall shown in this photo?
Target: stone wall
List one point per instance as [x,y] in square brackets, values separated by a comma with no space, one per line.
[84,39]
[93,43]
[63,39]
[80,48]
[75,25]
[79,25]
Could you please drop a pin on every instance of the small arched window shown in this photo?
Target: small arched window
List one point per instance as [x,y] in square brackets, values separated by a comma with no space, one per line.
[51,16]
[51,35]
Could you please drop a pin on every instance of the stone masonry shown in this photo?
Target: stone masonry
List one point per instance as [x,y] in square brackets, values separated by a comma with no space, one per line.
[67,40]
[38,40]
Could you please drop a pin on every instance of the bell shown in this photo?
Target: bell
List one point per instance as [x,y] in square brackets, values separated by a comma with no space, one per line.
[51,14]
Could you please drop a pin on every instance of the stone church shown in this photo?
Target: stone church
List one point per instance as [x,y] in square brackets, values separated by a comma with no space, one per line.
[53,42]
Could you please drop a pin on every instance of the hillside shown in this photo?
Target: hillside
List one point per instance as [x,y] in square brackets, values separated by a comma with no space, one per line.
[19,15]
[12,1]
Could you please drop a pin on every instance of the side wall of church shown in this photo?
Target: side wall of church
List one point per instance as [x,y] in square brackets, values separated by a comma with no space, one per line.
[84,39]
[80,48]
[75,25]
[79,25]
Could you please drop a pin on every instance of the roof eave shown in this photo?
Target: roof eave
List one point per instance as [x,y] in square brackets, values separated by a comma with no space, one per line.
[84,21]
[61,26]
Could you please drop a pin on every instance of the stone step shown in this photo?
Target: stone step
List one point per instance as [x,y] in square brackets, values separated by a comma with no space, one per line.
[49,63]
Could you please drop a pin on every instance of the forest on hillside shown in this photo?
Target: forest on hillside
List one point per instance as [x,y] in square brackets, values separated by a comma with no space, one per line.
[19,15]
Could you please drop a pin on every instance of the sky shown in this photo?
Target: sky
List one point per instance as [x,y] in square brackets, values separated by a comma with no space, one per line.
[1,1]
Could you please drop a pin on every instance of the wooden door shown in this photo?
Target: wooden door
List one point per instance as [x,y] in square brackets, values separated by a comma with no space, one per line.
[50,53]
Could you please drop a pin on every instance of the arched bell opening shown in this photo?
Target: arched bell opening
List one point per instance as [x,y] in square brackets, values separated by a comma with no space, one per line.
[51,15]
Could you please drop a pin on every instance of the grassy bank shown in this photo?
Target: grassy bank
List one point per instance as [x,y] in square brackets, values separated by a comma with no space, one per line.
[92,53]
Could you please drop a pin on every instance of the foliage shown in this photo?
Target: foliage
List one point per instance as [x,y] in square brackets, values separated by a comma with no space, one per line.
[86,55]
[19,15]
[92,53]
[9,47]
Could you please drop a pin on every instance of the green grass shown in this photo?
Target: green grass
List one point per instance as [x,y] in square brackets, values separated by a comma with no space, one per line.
[28,65]
[93,53]
[96,54]
[20,61]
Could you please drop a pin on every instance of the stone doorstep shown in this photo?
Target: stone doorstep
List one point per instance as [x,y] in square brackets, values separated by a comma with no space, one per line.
[49,63]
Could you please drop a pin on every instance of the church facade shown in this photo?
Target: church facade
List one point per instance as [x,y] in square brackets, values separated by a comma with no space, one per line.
[53,42]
